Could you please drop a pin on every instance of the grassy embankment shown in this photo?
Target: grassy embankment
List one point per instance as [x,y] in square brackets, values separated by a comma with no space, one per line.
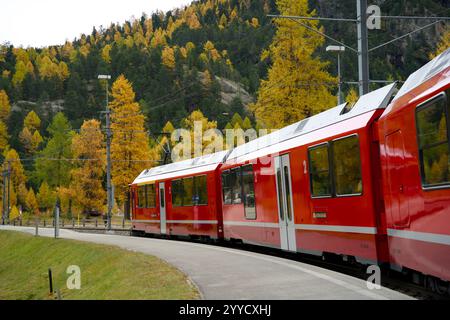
[107,272]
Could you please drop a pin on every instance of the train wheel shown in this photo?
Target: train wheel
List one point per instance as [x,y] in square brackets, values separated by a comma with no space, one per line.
[438,286]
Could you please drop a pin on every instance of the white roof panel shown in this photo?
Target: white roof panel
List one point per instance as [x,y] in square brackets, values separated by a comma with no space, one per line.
[433,67]
[204,163]
[377,99]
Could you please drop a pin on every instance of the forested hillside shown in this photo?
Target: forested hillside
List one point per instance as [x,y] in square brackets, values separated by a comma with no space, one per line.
[206,62]
[162,54]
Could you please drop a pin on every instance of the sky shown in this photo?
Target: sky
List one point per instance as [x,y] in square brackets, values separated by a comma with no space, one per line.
[38,23]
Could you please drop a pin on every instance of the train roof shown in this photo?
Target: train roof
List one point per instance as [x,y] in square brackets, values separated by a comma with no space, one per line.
[204,163]
[432,68]
[422,84]
[374,100]
[275,141]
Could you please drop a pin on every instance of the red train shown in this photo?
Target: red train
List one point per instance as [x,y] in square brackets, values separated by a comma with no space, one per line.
[369,182]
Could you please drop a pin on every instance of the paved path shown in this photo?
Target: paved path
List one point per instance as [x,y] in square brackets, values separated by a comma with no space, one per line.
[222,273]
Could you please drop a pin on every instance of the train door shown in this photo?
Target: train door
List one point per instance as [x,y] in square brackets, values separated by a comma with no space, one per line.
[398,204]
[285,205]
[162,207]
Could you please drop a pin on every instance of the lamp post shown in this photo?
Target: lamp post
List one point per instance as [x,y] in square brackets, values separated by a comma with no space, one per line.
[108,152]
[338,49]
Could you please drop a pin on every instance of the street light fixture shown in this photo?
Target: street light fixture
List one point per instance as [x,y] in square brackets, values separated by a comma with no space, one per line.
[338,49]
[108,153]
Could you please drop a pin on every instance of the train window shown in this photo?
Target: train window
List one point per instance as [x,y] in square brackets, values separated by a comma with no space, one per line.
[280,193]
[226,187]
[347,166]
[151,196]
[141,197]
[201,191]
[236,187]
[188,191]
[432,132]
[177,193]
[288,192]
[319,169]
[232,186]
[248,192]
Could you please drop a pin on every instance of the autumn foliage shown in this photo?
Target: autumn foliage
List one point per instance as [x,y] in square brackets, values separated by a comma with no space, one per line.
[130,146]
[298,84]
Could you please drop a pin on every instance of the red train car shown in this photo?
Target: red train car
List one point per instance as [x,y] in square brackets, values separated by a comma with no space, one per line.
[180,198]
[310,187]
[369,181]
[414,139]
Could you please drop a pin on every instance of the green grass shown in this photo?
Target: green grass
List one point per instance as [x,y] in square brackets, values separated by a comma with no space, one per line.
[107,272]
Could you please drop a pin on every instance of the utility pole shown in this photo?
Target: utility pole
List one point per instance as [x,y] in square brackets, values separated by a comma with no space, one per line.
[108,153]
[56,217]
[363,47]
[4,197]
[9,191]
[338,49]
[362,37]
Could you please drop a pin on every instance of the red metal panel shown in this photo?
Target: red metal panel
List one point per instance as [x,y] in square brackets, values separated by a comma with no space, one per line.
[398,208]
[341,211]
[185,216]
[425,257]
[409,207]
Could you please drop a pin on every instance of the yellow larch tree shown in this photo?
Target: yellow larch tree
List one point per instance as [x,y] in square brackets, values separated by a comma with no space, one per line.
[298,85]
[23,66]
[233,14]
[164,144]
[5,107]
[168,57]
[352,96]
[223,21]
[443,44]
[254,23]
[159,38]
[30,136]
[5,111]
[31,202]
[4,137]
[14,214]
[191,18]
[198,124]
[18,178]
[130,146]
[45,197]
[211,51]
[87,177]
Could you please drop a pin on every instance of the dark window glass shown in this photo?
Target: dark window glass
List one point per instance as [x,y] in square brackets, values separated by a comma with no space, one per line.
[226,187]
[347,166]
[248,192]
[319,171]
[151,196]
[188,191]
[141,197]
[201,191]
[177,193]
[235,181]
[432,131]
[280,192]
[231,186]
[161,198]
[288,193]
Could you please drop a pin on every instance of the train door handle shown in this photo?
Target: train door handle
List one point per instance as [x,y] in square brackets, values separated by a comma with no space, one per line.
[401,188]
